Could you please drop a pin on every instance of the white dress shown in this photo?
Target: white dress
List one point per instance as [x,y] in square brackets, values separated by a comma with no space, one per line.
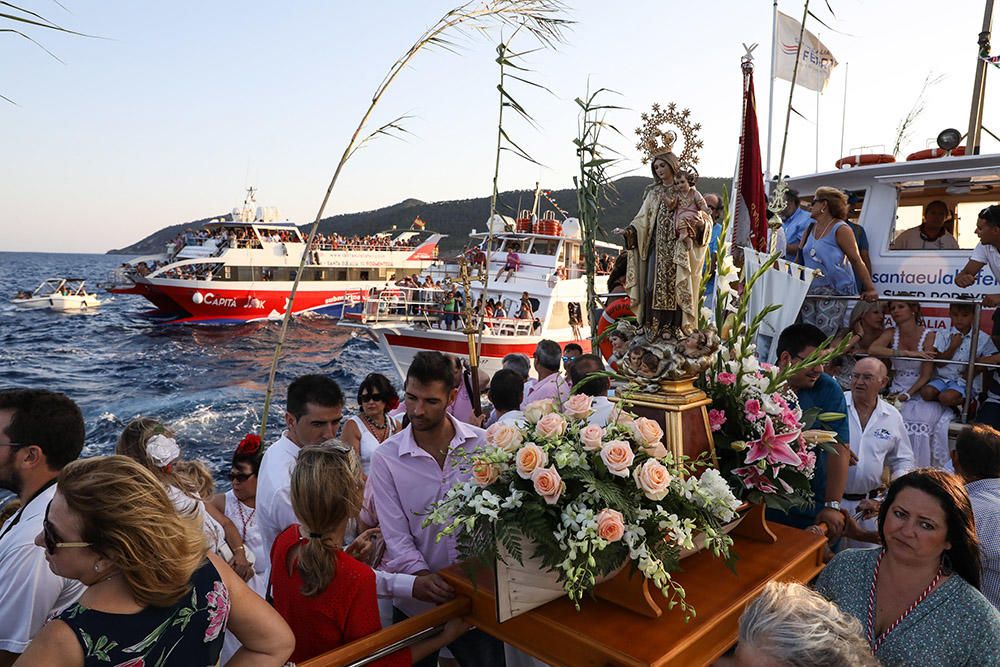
[245,520]
[188,505]
[926,421]
[368,441]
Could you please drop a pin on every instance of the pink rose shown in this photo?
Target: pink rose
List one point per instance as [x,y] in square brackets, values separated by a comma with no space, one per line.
[655,450]
[578,406]
[503,436]
[621,417]
[590,436]
[537,409]
[725,378]
[647,431]
[752,410]
[551,425]
[610,525]
[716,418]
[548,484]
[528,459]
[617,456]
[485,473]
[653,479]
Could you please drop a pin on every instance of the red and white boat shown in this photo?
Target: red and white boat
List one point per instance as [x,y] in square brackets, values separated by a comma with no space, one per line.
[242,270]
[404,321]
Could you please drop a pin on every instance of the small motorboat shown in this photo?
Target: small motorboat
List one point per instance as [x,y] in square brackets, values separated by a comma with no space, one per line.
[62,294]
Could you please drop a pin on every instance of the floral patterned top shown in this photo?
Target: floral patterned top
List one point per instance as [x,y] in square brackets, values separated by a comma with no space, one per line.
[188,633]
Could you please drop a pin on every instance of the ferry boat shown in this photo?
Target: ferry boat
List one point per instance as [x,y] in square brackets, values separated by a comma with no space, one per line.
[62,294]
[551,278]
[242,269]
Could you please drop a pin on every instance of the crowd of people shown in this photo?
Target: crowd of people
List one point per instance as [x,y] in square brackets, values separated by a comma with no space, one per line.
[335,241]
[134,557]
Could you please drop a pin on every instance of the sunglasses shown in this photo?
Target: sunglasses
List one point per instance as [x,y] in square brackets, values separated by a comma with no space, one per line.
[364,398]
[51,540]
[240,476]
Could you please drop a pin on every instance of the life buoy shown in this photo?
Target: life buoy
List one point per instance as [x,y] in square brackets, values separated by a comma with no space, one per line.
[931,153]
[863,159]
[616,309]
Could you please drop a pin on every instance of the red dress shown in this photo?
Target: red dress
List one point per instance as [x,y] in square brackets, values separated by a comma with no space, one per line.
[347,610]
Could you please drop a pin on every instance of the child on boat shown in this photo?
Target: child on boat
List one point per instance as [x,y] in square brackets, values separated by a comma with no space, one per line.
[948,385]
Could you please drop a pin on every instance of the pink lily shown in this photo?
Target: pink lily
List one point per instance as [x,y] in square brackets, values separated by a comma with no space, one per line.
[753,478]
[773,447]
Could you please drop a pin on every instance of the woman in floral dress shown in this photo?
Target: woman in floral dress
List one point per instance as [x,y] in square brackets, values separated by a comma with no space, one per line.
[154,595]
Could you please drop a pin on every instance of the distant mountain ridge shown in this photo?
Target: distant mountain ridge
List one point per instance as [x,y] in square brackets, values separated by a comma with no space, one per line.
[456,218]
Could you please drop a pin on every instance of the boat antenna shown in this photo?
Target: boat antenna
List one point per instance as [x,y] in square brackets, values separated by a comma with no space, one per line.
[979,87]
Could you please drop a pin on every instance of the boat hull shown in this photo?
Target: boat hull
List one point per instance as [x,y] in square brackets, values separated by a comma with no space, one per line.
[59,303]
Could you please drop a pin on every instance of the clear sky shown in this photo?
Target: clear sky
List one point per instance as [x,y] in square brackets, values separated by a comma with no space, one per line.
[183,104]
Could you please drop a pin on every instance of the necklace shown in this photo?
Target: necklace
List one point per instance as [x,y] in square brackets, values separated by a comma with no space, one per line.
[876,642]
[244,518]
[384,428]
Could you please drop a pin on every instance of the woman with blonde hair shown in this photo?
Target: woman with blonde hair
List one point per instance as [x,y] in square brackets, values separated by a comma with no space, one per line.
[151,444]
[326,596]
[866,324]
[153,596]
[830,246]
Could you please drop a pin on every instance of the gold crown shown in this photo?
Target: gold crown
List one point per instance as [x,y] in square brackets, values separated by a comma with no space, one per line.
[654,141]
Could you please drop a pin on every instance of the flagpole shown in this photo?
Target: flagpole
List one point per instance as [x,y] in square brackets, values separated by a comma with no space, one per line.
[816,167]
[791,91]
[770,95]
[843,113]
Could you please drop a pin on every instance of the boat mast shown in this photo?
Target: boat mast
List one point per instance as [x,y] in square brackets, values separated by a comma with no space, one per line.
[979,88]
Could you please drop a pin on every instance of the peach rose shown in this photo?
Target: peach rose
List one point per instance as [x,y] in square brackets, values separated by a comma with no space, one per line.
[548,484]
[621,417]
[578,406]
[610,525]
[529,458]
[551,425]
[653,479]
[617,456]
[538,409]
[655,450]
[485,473]
[590,436]
[504,436]
[647,431]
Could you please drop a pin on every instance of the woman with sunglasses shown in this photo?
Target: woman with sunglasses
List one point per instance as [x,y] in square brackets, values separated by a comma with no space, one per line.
[327,597]
[376,398]
[154,594]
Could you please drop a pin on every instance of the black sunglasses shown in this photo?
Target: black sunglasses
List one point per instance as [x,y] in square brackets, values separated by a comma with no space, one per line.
[364,398]
[51,540]
[240,476]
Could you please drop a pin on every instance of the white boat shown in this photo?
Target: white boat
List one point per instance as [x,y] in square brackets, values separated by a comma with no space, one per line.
[62,294]
[404,321]
[242,269]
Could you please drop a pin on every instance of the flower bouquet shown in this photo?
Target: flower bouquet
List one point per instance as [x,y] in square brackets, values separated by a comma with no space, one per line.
[585,500]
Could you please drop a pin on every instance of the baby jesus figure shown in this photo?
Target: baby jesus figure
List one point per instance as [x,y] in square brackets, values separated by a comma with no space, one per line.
[692,212]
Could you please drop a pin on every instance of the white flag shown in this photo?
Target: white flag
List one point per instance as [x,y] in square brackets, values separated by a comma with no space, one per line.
[815,60]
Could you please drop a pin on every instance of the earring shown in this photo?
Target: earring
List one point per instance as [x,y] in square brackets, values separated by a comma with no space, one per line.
[97,567]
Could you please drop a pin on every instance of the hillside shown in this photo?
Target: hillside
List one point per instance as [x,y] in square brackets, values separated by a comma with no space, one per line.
[456,218]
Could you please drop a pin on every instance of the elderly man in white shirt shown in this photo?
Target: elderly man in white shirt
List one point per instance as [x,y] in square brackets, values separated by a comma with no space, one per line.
[878,439]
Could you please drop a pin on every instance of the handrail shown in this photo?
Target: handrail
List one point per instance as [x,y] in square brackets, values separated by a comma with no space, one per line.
[397,636]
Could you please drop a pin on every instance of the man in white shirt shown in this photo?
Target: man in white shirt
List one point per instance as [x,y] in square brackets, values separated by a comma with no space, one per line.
[597,388]
[988,231]
[40,432]
[931,234]
[878,439]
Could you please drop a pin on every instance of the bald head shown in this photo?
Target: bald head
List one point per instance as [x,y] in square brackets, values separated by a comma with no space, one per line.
[715,205]
[868,379]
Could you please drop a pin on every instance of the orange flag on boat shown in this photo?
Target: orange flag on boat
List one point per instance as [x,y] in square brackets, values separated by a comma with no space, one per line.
[749,207]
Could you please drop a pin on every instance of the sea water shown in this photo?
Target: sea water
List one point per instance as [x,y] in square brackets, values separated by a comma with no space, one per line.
[206,383]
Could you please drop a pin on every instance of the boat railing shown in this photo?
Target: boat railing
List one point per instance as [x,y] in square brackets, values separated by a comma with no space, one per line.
[970,364]
[425,306]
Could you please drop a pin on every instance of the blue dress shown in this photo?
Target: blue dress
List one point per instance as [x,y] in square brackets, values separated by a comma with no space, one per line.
[188,633]
[825,254]
[955,626]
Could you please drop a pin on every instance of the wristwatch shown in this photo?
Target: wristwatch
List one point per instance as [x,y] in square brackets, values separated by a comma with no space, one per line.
[832,504]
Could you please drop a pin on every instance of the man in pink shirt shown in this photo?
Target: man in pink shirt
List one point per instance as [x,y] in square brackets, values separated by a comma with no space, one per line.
[414,469]
[551,383]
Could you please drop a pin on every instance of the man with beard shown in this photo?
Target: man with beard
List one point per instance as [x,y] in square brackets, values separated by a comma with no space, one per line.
[816,389]
[40,432]
[414,469]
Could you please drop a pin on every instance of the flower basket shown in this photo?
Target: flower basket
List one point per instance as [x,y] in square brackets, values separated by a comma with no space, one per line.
[586,499]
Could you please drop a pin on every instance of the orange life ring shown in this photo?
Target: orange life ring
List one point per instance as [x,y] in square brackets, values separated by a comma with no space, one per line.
[931,153]
[863,159]
[618,308]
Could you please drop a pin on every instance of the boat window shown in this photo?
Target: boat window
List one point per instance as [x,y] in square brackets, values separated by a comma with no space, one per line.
[342,274]
[363,275]
[958,201]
